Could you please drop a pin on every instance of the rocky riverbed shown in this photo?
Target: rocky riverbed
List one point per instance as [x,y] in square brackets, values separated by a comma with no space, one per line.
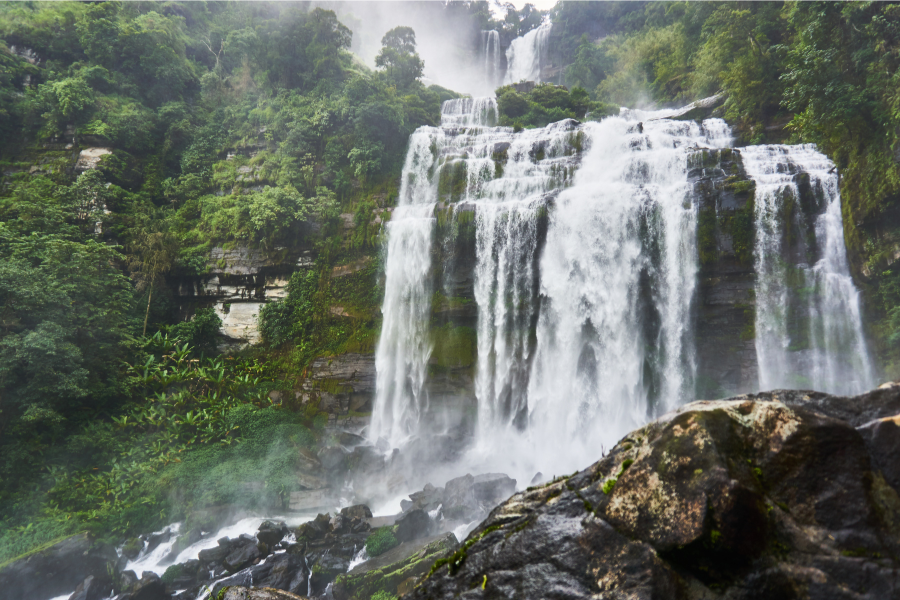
[782,494]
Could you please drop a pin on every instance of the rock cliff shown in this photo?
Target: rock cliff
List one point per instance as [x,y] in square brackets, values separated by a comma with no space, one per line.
[772,495]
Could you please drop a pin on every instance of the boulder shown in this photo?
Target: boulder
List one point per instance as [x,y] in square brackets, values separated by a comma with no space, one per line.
[333,458]
[357,511]
[271,532]
[459,497]
[492,488]
[244,593]
[413,525]
[93,588]
[395,571]
[150,587]
[770,495]
[243,556]
[57,569]
[213,555]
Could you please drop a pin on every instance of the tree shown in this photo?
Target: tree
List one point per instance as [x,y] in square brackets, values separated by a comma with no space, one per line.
[153,250]
[398,56]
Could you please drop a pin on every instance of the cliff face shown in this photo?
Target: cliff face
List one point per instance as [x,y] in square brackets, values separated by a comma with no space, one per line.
[774,495]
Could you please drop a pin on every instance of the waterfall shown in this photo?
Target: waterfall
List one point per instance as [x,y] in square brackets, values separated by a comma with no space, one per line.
[404,346]
[808,323]
[585,269]
[490,49]
[525,55]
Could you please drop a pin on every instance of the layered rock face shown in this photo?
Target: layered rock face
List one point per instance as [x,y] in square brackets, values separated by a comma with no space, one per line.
[773,495]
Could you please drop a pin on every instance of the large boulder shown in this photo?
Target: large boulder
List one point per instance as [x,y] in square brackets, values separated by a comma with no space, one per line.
[413,525]
[271,532]
[396,570]
[771,495]
[246,593]
[57,569]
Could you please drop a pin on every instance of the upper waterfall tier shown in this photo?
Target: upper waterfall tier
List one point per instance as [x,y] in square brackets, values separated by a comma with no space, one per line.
[584,252]
[527,54]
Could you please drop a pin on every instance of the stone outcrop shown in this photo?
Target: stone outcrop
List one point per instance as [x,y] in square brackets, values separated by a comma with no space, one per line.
[396,570]
[58,569]
[771,495]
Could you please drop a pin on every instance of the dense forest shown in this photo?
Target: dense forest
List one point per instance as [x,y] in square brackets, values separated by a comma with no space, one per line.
[255,125]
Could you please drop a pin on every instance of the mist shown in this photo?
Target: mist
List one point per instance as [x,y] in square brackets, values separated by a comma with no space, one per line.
[447,39]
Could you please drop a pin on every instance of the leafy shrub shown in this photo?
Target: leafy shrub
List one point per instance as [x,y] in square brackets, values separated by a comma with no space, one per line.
[380,541]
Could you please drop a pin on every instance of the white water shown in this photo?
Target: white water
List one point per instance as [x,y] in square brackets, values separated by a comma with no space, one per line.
[624,219]
[490,49]
[818,343]
[526,54]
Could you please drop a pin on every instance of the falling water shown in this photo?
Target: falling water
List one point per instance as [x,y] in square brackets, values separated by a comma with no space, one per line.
[525,55]
[808,323]
[490,49]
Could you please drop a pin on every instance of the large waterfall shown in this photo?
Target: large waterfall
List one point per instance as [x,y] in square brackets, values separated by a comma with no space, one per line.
[525,55]
[585,278]
[811,338]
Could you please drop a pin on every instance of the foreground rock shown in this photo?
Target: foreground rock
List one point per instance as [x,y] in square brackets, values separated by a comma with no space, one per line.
[395,571]
[777,495]
[58,569]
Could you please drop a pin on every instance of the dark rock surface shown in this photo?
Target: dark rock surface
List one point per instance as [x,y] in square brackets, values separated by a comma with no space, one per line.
[58,569]
[389,571]
[766,496]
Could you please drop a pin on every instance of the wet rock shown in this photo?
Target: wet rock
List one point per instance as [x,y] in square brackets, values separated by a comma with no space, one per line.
[132,548]
[155,539]
[357,511]
[58,569]
[762,496]
[333,458]
[214,555]
[93,588]
[271,532]
[413,525]
[150,587]
[400,567]
[242,557]
[183,575]
[244,593]
[492,488]
[459,498]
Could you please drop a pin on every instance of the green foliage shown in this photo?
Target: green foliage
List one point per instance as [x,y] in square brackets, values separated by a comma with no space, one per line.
[398,56]
[546,103]
[380,541]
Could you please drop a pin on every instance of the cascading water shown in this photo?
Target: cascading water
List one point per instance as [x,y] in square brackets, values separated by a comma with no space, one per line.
[808,323]
[490,49]
[586,270]
[526,54]
[583,329]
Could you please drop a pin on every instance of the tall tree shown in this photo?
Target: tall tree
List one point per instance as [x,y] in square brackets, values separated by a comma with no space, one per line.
[398,56]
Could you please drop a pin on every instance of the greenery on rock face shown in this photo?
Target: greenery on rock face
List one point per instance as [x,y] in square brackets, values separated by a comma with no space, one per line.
[380,541]
[547,103]
[218,125]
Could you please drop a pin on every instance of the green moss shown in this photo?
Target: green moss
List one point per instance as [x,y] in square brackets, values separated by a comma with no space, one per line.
[380,541]
[454,346]
[706,237]
[608,485]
